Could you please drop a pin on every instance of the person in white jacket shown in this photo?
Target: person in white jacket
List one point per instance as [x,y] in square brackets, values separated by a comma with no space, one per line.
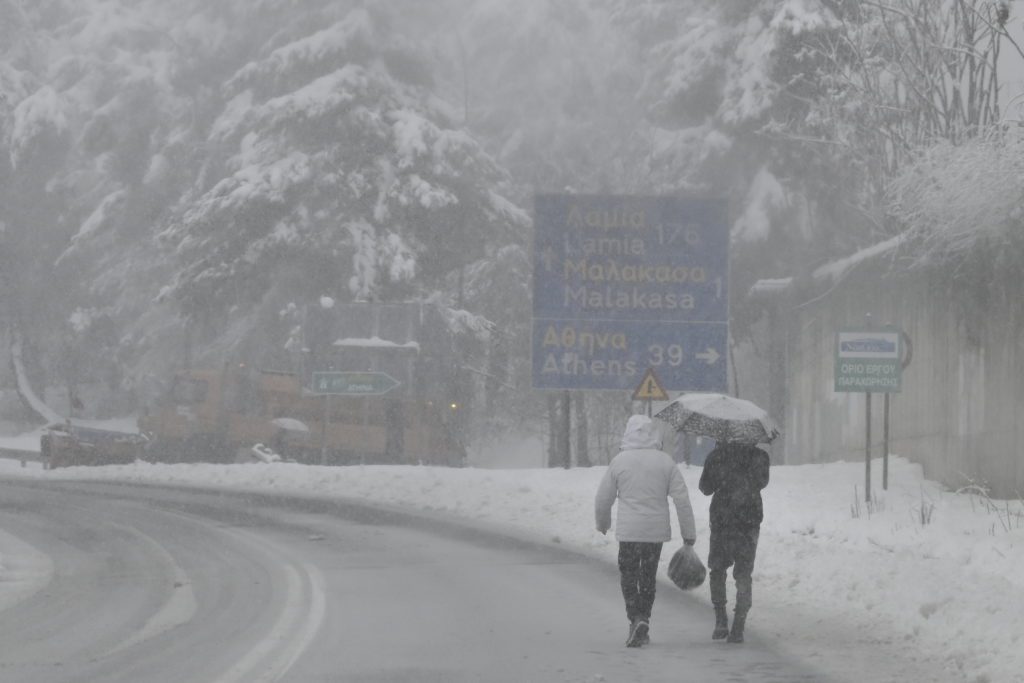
[642,477]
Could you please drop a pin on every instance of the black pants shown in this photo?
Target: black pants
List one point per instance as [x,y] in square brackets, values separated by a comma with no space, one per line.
[638,569]
[736,548]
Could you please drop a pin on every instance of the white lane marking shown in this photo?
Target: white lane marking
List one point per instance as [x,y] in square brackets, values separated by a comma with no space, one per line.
[301,617]
[179,609]
[24,570]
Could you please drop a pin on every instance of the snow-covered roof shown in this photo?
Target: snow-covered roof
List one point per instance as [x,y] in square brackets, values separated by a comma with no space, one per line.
[836,270]
[831,272]
[770,286]
[376,342]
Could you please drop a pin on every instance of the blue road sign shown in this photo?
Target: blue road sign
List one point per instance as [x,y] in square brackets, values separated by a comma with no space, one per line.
[622,284]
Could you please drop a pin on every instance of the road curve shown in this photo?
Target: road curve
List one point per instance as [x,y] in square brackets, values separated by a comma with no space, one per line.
[143,584]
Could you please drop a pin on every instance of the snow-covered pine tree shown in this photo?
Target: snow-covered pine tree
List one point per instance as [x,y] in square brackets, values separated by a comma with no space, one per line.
[331,168]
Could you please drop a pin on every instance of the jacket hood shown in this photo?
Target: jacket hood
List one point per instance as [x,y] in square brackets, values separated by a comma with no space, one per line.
[641,432]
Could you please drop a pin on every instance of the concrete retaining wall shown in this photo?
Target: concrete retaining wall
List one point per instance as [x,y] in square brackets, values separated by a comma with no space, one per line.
[960,413]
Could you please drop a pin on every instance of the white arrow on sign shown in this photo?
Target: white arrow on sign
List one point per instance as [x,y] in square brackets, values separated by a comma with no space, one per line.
[710,356]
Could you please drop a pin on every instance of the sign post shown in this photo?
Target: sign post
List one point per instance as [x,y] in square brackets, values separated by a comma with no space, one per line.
[624,283]
[347,383]
[867,447]
[869,360]
[323,428]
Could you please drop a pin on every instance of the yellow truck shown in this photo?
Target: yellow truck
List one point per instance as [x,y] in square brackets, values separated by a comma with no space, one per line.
[221,415]
[372,383]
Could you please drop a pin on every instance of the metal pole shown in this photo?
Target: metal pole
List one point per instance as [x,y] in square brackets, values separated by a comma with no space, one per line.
[867,449]
[565,440]
[885,442]
[323,429]
[867,434]
[553,423]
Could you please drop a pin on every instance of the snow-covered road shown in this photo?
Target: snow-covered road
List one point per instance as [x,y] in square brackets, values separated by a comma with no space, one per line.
[122,588]
[924,586]
[160,585]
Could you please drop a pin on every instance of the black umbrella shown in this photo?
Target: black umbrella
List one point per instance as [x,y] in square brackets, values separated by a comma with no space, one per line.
[721,417]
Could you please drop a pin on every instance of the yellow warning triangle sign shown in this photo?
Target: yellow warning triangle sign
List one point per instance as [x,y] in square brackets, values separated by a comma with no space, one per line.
[650,388]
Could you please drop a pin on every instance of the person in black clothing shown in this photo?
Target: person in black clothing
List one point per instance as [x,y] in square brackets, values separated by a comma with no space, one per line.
[734,474]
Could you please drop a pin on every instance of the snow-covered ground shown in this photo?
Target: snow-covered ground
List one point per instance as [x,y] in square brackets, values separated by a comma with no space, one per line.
[933,574]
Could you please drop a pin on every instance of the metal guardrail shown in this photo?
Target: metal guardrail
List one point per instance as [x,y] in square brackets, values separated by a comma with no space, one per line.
[18,454]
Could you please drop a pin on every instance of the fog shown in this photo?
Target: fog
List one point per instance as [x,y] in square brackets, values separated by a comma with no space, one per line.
[273,246]
[182,184]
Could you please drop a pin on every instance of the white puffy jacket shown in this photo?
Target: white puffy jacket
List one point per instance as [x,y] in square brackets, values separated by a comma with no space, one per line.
[643,477]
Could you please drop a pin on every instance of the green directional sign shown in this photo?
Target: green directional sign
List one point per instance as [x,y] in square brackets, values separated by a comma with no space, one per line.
[868,361]
[347,383]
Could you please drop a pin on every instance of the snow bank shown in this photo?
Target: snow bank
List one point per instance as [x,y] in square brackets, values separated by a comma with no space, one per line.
[25,388]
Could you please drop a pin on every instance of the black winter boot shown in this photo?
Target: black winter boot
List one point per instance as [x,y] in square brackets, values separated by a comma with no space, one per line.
[721,623]
[638,633]
[738,622]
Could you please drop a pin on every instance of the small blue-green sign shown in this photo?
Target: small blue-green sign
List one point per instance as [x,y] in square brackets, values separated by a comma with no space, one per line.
[868,361]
